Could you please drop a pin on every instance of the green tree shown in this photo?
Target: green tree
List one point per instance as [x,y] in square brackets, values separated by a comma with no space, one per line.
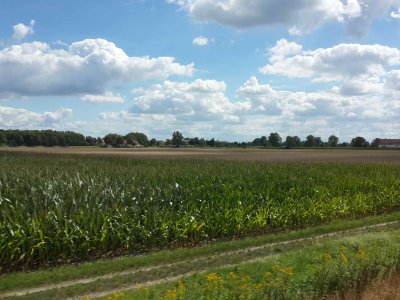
[177,139]
[333,141]
[3,138]
[375,142]
[290,142]
[153,142]
[264,141]
[359,141]
[114,140]
[275,139]
[313,141]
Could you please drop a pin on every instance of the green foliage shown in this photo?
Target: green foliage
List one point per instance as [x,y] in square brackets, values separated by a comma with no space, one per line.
[292,141]
[61,208]
[313,141]
[333,141]
[359,141]
[48,138]
[316,272]
[177,139]
[137,138]
[3,138]
[274,139]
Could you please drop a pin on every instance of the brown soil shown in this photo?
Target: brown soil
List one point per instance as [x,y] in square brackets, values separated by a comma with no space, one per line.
[388,289]
[251,154]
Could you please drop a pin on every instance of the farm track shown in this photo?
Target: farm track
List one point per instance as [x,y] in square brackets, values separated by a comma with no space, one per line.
[237,154]
[174,277]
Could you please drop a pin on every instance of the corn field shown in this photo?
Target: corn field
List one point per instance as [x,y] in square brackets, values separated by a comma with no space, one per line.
[65,208]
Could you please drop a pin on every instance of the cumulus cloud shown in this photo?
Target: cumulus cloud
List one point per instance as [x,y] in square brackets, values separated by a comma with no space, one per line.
[108,97]
[21,31]
[200,41]
[393,80]
[282,49]
[300,16]
[395,14]
[329,109]
[24,119]
[370,10]
[197,100]
[201,108]
[86,67]
[341,62]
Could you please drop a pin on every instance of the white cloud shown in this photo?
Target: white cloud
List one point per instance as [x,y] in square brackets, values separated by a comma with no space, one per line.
[393,80]
[197,100]
[108,97]
[364,110]
[395,14]
[200,41]
[86,67]
[24,119]
[201,108]
[300,16]
[371,9]
[21,31]
[341,62]
[284,48]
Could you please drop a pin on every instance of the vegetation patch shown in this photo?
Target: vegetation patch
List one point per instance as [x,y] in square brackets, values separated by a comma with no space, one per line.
[52,214]
[315,272]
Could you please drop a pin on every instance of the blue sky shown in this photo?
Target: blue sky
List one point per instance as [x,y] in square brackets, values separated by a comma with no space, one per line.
[228,69]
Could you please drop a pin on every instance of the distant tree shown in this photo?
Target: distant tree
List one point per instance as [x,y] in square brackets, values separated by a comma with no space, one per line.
[290,142]
[256,142]
[310,141]
[333,141]
[275,139]
[3,138]
[153,142]
[91,141]
[318,142]
[211,142]
[134,138]
[177,139]
[114,140]
[359,141]
[264,141]
[297,141]
[375,142]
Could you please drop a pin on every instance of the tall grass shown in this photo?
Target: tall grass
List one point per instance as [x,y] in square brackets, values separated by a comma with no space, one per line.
[62,208]
[317,272]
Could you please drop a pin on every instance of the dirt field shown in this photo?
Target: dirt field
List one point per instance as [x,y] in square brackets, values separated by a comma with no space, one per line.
[270,155]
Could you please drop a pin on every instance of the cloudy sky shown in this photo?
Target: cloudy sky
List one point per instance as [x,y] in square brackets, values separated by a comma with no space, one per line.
[228,69]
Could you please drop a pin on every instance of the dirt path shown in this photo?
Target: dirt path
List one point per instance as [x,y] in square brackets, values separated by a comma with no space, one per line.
[65,284]
[248,154]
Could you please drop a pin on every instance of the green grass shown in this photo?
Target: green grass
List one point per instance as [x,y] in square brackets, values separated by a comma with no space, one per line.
[314,272]
[57,209]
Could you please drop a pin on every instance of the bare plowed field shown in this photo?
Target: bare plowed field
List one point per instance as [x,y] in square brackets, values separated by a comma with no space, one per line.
[270,155]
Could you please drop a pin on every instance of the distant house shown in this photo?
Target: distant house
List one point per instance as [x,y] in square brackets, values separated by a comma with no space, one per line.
[389,143]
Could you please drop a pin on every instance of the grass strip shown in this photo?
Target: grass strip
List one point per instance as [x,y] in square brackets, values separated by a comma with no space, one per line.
[314,272]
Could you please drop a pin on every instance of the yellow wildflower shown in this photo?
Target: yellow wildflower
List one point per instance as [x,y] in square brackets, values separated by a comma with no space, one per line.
[212,277]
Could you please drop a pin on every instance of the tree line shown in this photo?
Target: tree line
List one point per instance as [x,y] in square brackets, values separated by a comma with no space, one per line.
[273,140]
[51,138]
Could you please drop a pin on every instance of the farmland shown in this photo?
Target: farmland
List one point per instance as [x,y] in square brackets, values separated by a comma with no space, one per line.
[63,208]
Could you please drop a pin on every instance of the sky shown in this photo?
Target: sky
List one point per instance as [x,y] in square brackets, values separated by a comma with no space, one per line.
[231,70]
